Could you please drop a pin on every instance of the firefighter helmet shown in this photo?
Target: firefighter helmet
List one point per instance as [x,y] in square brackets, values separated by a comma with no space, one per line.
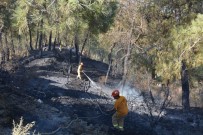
[115,93]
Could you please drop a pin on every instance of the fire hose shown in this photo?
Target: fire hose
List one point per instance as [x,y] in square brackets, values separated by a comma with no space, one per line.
[90,96]
[76,117]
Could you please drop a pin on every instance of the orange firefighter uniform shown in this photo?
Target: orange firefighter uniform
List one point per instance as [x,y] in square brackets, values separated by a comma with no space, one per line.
[121,108]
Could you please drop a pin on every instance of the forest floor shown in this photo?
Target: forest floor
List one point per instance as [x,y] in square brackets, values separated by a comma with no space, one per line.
[40,89]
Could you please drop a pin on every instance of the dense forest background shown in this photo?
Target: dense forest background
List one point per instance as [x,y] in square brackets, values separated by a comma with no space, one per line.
[150,44]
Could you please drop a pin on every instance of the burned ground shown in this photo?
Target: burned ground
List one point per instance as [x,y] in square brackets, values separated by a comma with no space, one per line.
[38,91]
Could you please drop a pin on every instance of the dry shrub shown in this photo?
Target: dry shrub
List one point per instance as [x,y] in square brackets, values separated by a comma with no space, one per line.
[22,53]
[196,93]
[20,129]
[196,97]
[159,88]
[141,84]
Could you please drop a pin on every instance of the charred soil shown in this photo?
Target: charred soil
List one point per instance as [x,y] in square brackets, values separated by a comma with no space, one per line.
[45,90]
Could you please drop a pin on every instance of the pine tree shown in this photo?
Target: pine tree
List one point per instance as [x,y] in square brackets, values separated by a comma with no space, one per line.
[183,53]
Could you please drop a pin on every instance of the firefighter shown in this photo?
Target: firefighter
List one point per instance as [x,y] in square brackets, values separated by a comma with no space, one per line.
[121,109]
[80,69]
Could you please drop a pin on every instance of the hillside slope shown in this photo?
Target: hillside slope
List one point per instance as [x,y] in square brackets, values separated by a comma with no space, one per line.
[42,89]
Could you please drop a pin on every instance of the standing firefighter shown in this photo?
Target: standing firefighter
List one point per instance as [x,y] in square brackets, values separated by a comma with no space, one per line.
[80,68]
[121,109]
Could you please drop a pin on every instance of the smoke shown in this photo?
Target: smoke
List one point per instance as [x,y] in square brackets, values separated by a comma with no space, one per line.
[131,93]
[127,91]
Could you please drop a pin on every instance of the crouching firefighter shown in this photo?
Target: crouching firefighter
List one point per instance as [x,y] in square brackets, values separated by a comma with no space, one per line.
[121,109]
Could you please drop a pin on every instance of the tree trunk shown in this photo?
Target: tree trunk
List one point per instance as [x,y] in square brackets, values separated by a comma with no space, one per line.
[26,45]
[36,44]
[60,46]
[2,49]
[185,87]
[85,41]
[12,46]
[44,43]
[70,56]
[40,38]
[50,37]
[30,34]
[153,69]
[37,38]
[76,46]
[40,42]
[7,48]
[58,38]
[126,64]
[20,44]
[110,61]
[54,44]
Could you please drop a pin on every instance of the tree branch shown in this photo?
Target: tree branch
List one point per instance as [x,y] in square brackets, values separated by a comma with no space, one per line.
[195,43]
[51,3]
[1,27]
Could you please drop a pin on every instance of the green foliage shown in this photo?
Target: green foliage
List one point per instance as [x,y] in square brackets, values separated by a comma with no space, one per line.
[197,73]
[6,10]
[99,15]
[20,16]
[185,43]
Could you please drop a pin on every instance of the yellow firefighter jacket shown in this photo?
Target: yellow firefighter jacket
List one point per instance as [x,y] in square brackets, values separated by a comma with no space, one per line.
[121,106]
